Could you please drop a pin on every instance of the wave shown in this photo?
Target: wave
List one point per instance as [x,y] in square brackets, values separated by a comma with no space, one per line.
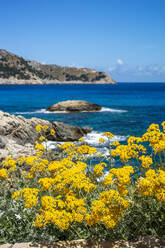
[92,139]
[39,111]
[104,109]
[44,111]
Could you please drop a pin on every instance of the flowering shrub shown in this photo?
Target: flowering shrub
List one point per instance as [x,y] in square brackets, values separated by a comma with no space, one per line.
[78,199]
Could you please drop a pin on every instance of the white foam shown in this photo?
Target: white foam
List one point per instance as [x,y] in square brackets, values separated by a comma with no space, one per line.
[39,111]
[44,111]
[93,138]
[104,109]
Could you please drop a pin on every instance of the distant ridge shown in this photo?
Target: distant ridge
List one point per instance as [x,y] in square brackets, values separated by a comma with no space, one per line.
[16,70]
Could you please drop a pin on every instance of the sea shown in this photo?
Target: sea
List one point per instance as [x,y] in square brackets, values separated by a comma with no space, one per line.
[127,108]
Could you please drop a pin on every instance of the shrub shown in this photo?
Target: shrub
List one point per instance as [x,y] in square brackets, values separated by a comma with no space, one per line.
[72,197]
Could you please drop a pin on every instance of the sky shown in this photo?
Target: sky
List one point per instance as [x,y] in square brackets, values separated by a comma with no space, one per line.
[125,38]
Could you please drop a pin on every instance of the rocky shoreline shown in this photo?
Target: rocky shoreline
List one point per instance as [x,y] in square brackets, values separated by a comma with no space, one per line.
[47,82]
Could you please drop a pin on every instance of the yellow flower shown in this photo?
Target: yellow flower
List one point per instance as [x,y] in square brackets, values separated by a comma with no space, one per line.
[52,132]
[109,135]
[38,128]
[116,143]
[146,161]
[98,170]
[39,146]
[41,138]
[3,173]
[101,140]
[16,195]
[39,153]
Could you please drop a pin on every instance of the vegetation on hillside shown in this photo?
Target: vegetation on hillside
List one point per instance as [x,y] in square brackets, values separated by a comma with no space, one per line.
[12,66]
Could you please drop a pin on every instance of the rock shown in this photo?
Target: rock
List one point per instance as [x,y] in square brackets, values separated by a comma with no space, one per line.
[142,242]
[87,129]
[20,129]
[2,143]
[74,106]
[65,132]
[18,134]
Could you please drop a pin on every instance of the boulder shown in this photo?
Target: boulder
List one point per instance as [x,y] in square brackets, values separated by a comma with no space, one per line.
[18,134]
[74,106]
[20,129]
[65,132]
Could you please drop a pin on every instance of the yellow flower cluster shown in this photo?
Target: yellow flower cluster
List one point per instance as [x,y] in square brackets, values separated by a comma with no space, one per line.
[85,149]
[155,138]
[121,178]
[146,161]
[39,146]
[70,189]
[77,152]
[29,195]
[10,163]
[68,148]
[116,143]
[153,184]
[3,173]
[163,125]
[109,135]
[108,209]
[38,167]
[61,212]
[39,128]
[127,152]
[98,169]
[101,140]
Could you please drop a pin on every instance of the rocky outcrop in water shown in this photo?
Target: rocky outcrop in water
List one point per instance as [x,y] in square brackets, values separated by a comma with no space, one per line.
[18,134]
[74,106]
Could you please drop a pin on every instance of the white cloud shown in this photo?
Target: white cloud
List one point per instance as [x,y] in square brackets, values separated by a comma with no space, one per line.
[120,62]
[112,68]
[140,68]
[140,73]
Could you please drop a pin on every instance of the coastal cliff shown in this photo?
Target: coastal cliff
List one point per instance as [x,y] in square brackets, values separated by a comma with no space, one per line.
[16,70]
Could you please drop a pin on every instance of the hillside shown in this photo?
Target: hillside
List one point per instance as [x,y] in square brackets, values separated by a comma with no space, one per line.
[16,70]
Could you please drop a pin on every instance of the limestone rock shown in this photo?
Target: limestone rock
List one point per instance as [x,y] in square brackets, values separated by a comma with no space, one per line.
[65,132]
[20,129]
[2,143]
[74,106]
[18,134]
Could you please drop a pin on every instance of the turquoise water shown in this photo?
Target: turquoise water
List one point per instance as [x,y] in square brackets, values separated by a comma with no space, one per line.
[128,108]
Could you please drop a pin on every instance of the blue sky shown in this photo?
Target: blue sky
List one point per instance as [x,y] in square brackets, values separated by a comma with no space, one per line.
[125,38]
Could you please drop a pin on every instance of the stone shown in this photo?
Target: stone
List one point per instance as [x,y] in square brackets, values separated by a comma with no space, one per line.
[2,143]
[18,134]
[74,106]
[20,129]
[65,132]
[141,242]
